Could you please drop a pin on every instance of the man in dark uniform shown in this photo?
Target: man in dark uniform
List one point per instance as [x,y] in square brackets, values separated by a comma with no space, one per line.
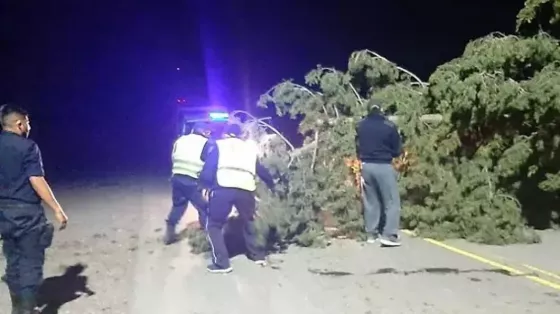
[25,230]
[229,172]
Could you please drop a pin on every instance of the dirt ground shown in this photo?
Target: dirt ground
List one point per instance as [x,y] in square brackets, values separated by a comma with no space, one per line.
[115,234]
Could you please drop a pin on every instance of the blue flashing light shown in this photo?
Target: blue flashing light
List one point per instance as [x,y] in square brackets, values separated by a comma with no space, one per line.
[219,116]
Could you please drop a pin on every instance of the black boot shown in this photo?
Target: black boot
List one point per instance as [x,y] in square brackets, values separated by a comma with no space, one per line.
[16,303]
[170,235]
[28,304]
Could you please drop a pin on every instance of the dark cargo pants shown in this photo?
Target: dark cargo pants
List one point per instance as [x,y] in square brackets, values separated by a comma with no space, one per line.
[184,190]
[221,204]
[25,234]
[381,200]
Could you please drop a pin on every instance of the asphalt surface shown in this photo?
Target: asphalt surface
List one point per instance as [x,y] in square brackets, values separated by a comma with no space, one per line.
[115,233]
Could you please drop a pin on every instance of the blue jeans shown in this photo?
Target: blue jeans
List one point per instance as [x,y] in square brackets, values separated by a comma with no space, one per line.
[382,203]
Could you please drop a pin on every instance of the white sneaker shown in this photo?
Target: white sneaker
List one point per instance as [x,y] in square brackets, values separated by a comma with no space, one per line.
[261,263]
[371,239]
[258,261]
[390,242]
[218,270]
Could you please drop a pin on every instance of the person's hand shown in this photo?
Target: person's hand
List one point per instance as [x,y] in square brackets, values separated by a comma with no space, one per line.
[62,219]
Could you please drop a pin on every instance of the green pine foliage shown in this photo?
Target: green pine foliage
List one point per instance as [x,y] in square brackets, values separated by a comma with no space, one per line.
[488,171]
[544,14]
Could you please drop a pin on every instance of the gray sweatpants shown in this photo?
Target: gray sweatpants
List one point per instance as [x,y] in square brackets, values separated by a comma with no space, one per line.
[382,203]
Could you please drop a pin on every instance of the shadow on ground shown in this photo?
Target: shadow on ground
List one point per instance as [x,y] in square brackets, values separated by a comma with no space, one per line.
[434,270]
[233,236]
[59,290]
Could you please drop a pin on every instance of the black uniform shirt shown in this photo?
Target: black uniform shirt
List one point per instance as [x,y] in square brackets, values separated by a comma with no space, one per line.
[20,158]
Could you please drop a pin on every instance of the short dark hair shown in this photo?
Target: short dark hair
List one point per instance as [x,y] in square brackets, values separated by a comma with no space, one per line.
[233,129]
[8,110]
[199,128]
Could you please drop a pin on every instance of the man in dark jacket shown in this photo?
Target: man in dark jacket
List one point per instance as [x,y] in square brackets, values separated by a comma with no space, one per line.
[377,143]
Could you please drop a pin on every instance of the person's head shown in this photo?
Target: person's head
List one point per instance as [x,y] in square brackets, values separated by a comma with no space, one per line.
[233,130]
[15,119]
[374,107]
[201,129]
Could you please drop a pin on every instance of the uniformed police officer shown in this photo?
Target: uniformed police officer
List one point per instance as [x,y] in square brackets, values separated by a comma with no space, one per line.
[24,228]
[189,152]
[229,172]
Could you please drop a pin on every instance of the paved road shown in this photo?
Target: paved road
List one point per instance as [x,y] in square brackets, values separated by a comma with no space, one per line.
[115,231]
[542,260]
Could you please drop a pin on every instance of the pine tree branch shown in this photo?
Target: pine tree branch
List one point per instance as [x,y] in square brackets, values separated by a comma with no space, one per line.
[333,70]
[336,112]
[314,159]
[433,118]
[266,125]
[356,55]
[430,118]
[305,89]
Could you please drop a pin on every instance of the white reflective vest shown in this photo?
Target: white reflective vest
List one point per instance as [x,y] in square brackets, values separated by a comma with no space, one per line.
[237,164]
[186,155]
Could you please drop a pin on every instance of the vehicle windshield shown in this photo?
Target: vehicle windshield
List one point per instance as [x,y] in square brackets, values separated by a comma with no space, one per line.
[187,117]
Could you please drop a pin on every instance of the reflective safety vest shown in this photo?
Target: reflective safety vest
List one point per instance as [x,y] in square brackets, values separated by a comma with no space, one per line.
[186,155]
[237,164]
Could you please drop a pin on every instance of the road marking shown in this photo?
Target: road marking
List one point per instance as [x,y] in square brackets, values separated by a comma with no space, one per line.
[486,261]
[542,271]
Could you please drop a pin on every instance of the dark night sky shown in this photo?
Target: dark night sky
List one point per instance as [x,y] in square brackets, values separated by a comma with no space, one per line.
[100,79]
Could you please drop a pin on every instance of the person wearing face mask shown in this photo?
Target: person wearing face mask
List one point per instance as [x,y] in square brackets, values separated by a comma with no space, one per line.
[25,231]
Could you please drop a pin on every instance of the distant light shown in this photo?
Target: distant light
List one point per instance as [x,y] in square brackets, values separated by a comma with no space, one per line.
[219,116]
[178,69]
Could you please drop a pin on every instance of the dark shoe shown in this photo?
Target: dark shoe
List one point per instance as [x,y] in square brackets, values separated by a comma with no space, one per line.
[170,235]
[16,303]
[213,268]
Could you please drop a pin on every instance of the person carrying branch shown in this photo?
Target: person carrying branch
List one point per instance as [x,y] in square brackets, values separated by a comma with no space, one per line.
[378,142]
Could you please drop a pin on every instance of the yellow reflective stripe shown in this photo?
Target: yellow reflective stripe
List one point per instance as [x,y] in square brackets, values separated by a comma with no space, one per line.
[190,168]
[236,169]
[192,164]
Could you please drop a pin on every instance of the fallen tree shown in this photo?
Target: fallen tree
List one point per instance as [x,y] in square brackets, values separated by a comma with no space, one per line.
[474,175]
[482,142]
